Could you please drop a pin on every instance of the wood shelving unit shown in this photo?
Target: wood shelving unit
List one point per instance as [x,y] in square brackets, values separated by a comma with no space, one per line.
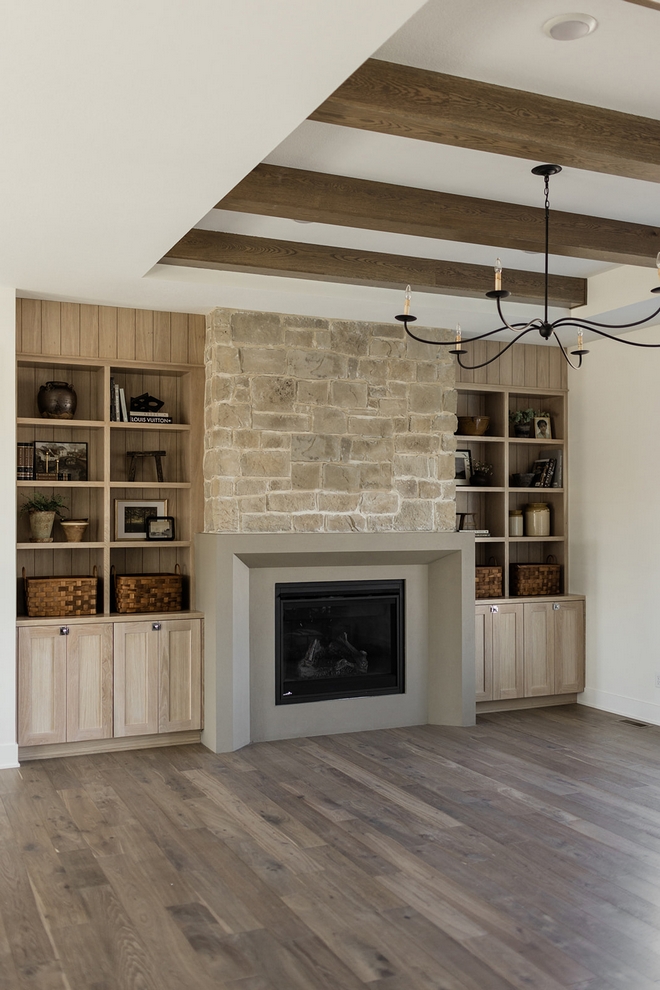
[181,386]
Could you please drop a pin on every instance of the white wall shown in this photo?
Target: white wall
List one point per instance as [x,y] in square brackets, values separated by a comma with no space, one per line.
[614,507]
[8,747]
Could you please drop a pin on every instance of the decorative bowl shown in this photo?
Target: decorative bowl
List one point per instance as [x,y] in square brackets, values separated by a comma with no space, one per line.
[522,480]
[473,426]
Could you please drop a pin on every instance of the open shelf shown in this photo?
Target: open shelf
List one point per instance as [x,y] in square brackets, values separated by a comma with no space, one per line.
[60,546]
[163,427]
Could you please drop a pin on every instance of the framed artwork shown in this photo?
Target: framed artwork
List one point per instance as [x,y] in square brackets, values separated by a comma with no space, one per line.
[160,527]
[60,461]
[131,516]
[542,428]
[463,467]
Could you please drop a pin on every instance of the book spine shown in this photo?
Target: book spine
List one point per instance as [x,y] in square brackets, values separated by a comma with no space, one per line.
[136,418]
[112,400]
[551,470]
[558,480]
[122,400]
[116,404]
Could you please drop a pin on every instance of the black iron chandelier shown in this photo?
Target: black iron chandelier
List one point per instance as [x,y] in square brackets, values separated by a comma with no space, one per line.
[545,328]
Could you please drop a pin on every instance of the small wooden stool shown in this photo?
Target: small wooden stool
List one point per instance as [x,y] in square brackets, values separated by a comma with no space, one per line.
[135,454]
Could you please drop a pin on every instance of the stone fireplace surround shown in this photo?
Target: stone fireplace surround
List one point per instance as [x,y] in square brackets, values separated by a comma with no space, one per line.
[236,578]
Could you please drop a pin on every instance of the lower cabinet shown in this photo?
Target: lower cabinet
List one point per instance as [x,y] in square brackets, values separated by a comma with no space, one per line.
[529,649]
[98,680]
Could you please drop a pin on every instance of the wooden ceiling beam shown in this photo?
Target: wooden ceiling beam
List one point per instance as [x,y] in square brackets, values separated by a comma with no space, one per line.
[265,256]
[431,106]
[277,191]
[651,4]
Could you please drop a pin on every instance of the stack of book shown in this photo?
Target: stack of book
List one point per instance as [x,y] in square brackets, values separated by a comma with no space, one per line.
[548,471]
[120,413]
[149,417]
[479,533]
[24,461]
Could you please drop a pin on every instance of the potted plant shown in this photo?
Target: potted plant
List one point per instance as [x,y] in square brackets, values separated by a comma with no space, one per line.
[42,510]
[481,474]
[522,421]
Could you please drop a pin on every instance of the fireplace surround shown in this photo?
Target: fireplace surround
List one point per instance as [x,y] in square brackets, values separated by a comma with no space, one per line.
[237,575]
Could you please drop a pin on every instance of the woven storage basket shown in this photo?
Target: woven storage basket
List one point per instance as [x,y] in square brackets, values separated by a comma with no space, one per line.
[148,592]
[50,596]
[488,581]
[536,579]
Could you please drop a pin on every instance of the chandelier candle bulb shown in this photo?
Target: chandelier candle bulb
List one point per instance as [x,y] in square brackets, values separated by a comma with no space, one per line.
[459,346]
[406,303]
[580,340]
[657,263]
[498,275]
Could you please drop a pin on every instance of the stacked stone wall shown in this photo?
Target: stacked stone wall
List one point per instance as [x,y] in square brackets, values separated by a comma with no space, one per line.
[326,426]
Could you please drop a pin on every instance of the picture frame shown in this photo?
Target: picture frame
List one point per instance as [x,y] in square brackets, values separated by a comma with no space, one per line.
[542,428]
[131,516]
[160,528]
[60,460]
[463,467]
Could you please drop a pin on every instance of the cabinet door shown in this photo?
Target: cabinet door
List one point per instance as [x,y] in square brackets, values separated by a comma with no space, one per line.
[180,675]
[507,652]
[483,643]
[569,647]
[41,685]
[89,682]
[539,649]
[136,679]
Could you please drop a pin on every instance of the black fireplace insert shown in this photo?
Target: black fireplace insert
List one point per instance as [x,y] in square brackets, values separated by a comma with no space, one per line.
[338,639]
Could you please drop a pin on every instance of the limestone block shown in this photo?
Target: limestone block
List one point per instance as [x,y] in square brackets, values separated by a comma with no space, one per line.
[218,438]
[412,466]
[401,371]
[376,476]
[431,489]
[247,439]
[308,522]
[313,393]
[382,348]
[341,477]
[218,331]
[373,370]
[407,487]
[265,463]
[392,407]
[400,424]
[353,368]
[285,422]
[280,485]
[221,388]
[448,442]
[450,400]
[417,443]
[393,330]
[252,503]
[299,338]
[427,371]
[421,424]
[444,516]
[316,364]
[380,524]
[349,338]
[250,486]
[266,522]
[444,422]
[305,476]
[338,502]
[224,516]
[264,329]
[225,361]
[230,415]
[445,467]
[345,523]
[272,394]
[379,503]
[349,395]
[263,361]
[326,419]
[415,515]
[306,322]
[275,441]
[448,492]
[222,461]
[292,501]
[322,340]
[426,398]
[370,426]
[219,487]
[368,449]
[314,447]
[422,352]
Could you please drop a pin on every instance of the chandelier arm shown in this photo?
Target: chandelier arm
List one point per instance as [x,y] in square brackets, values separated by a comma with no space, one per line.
[610,336]
[451,343]
[566,321]
[532,325]
[566,357]
[496,357]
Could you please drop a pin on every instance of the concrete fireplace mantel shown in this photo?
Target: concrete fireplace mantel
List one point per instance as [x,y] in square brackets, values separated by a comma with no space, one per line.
[236,574]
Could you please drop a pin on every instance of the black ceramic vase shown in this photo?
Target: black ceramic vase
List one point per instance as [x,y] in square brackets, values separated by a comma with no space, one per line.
[57,400]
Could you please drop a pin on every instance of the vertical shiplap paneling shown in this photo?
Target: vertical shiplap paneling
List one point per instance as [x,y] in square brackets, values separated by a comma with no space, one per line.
[126,334]
[89,331]
[162,337]
[543,365]
[31,326]
[70,329]
[196,338]
[144,336]
[108,331]
[179,338]
[51,327]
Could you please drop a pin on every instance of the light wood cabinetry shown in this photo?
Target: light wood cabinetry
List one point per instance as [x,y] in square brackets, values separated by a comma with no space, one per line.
[64,683]
[569,650]
[157,676]
[499,651]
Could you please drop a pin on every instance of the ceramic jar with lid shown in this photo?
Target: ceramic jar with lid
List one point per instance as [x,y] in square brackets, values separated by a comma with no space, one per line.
[515,522]
[537,519]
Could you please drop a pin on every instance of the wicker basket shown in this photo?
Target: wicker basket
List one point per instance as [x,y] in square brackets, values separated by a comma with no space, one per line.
[148,592]
[536,579]
[488,581]
[51,596]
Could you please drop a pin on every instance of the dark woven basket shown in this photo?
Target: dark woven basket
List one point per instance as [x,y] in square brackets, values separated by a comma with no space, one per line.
[56,596]
[148,592]
[488,581]
[528,580]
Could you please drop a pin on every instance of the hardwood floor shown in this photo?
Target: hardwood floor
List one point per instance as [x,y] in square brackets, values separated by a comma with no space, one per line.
[522,853]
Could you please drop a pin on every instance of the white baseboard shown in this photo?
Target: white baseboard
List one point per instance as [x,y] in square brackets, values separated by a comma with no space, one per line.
[644,711]
[8,756]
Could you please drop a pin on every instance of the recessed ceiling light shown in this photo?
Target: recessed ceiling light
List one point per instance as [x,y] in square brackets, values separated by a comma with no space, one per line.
[570,27]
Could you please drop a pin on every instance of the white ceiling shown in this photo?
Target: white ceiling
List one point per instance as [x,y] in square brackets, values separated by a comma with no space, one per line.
[123,126]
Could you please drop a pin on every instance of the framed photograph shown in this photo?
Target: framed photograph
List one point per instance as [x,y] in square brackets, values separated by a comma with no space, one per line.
[542,428]
[463,467]
[131,517]
[160,527]
[60,461]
